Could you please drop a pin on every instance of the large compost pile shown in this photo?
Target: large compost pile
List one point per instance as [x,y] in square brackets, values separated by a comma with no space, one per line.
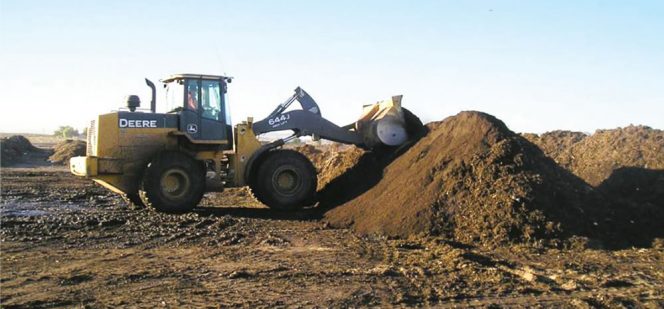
[471,179]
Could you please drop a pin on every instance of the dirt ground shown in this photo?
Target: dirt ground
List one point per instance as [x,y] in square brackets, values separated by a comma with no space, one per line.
[66,242]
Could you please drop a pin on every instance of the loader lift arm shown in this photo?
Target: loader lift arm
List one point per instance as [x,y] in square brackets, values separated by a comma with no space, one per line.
[307,121]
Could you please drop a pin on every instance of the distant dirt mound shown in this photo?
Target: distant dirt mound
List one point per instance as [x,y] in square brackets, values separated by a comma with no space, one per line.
[595,157]
[557,144]
[14,148]
[471,179]
[67,149]
[626,165]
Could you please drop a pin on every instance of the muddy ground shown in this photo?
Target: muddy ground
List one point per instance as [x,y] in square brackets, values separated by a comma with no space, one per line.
[66,242]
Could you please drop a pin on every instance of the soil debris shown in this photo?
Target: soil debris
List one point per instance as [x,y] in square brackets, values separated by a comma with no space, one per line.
[66,150]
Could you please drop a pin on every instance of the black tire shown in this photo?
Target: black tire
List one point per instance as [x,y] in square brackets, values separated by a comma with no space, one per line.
[173,182]
[285,180]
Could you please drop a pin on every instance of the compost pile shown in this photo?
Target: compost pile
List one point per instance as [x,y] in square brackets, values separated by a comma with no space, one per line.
[66,150]
[596,157]
[473,180]
[557,144]
[626,166]
[14,148]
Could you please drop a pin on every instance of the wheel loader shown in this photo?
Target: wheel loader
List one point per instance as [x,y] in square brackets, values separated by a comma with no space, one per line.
[168,160]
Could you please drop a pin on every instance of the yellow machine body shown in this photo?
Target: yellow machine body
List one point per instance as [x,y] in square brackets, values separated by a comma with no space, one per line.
[117,159]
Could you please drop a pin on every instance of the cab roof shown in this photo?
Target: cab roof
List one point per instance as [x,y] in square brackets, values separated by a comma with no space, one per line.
[195,76]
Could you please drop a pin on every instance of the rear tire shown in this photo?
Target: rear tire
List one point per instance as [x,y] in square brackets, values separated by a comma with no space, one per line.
[173,182]
[285,180]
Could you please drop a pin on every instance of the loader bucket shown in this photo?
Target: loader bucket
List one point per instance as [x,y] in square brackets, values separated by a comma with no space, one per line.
[383,123]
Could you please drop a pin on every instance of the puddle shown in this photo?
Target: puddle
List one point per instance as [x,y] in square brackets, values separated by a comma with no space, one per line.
[14,209]
[25,213]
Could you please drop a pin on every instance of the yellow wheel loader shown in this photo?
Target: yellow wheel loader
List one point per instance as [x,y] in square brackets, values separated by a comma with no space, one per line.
[167,161]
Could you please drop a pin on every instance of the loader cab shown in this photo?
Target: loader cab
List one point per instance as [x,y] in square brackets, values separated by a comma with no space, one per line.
[200,101]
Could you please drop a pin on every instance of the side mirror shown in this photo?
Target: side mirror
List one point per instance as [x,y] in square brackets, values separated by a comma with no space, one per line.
[133,101]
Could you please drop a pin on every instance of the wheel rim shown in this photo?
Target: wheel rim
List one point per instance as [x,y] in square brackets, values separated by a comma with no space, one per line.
[175,183]
[286,180]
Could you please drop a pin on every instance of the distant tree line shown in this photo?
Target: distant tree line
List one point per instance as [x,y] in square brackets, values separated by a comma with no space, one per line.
[68,132]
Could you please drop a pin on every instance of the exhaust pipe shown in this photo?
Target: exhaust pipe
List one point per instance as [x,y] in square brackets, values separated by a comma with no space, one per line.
[153,102]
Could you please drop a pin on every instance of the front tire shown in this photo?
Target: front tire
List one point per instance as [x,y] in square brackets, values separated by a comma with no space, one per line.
[173,183]
[285,180]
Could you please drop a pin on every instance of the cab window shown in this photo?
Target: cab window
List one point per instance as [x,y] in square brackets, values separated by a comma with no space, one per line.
[174,95]
[191,99]
[211,99]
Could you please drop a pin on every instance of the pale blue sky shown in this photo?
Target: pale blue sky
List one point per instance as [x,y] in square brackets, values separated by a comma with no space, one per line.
[537,65]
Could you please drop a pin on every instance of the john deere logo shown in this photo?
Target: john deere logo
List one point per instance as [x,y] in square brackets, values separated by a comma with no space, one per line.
[125,123]
[192,128]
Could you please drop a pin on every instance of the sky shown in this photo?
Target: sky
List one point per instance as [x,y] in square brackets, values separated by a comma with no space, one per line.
[536,65]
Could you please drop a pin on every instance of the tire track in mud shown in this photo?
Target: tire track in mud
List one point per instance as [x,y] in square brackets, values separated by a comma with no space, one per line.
[609,297]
